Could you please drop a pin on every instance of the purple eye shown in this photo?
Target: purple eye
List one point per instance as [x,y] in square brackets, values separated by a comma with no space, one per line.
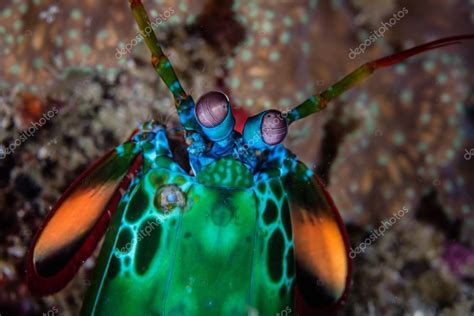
[212,108]
[274,127]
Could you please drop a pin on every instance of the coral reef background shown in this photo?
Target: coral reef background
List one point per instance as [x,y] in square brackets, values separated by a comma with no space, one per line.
[401,139]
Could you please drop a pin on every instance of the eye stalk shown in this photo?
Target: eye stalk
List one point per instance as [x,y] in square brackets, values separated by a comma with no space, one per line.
[268,128]
[274,127]
[213,112]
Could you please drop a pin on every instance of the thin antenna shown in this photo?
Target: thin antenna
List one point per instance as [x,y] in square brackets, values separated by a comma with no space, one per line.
[318,102]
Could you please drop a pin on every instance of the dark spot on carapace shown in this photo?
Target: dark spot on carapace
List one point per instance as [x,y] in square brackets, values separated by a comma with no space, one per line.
[138,205]
[114,267]
[290,263]
[270,214]
[157,179]
[124,242]
[275,252]
[286,219]
[148,242]
[275,185]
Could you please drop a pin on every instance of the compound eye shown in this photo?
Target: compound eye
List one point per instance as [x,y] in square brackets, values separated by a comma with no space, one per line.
[212,109]
[268,128]
[274,127]
[214,114]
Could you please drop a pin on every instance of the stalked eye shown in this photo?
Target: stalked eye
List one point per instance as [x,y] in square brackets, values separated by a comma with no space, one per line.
[212,108]
[265,129]
[214,114]
[274,127]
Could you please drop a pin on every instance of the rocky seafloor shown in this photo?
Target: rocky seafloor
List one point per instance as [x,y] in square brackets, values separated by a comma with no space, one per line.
[399,140]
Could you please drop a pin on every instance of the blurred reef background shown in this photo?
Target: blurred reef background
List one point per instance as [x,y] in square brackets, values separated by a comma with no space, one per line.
[400,139]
